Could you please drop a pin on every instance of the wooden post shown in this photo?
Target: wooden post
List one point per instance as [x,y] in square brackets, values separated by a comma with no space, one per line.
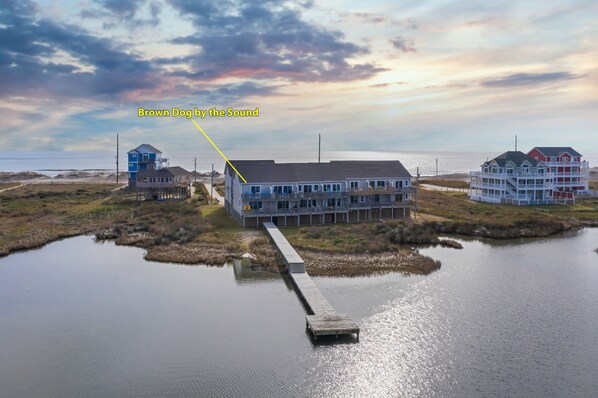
[117,158]
[416,189]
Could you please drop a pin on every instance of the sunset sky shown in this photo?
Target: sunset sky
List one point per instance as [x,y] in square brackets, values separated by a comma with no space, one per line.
[376,75]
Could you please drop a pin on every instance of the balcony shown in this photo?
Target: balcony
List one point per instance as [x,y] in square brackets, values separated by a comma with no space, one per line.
[481,174]
[380,190]
[583,163]
[325,195]
[295,210]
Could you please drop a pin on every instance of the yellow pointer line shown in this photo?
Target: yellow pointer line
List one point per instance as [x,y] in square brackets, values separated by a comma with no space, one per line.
[219,151]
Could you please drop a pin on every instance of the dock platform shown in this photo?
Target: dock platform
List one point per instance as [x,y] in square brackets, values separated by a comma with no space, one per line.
[322,319]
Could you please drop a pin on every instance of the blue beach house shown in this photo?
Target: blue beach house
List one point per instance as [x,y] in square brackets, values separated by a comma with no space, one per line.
[144,158]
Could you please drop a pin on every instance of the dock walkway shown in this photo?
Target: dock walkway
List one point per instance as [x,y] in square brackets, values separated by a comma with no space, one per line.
[322,319]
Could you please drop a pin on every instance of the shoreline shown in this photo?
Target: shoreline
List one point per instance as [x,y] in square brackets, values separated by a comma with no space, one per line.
[192,232]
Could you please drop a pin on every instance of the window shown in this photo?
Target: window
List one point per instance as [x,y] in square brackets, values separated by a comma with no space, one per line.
[380,184]
[354,199]
[361,199]
[282,189]
[377,198]
[307,203]
[354,184]
[398,198]
[256,189]
[327,188]
[316,188]
[333,202]
[282,204]
[255,205]
[399,184]
[372,184]
[308,188]
[336,187]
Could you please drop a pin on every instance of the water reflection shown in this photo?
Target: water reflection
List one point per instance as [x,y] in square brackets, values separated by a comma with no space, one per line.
[246,271]
[498,319]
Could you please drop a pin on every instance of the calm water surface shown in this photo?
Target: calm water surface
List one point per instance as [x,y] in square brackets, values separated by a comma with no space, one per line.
[79,318]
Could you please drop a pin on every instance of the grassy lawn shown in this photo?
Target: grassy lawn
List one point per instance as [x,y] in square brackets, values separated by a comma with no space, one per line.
[455,206]
[459,184]
[217,217]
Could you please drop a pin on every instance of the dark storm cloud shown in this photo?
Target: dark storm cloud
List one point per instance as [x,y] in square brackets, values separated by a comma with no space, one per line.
[526,79]
[264,40]
[404,44]
[26,68]
[256,40]
[126,12]
[231,92]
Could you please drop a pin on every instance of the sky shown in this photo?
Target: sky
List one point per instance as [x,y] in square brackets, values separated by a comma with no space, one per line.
[369,76]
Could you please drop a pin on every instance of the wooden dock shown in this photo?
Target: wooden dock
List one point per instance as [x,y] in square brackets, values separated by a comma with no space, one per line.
[322,319]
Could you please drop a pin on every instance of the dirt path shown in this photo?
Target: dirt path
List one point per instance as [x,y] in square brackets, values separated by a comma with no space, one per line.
[439,188]
[10,188]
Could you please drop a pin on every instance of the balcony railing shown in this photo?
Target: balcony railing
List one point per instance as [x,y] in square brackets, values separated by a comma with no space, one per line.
[380,190]
[481,174]
[162,184]
[295,210]
[583,163]
[322,194]
[325,209]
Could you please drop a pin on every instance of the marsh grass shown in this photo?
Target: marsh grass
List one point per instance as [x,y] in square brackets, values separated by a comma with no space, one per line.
[458,184]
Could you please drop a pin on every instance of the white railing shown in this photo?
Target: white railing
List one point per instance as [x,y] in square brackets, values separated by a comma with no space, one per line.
[481,174]
[583,163]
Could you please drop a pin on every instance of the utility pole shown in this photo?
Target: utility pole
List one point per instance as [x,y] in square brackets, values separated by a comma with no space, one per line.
[212,184]
[416,189]
[117,158]
[436,168]
[319,146]
[195,169]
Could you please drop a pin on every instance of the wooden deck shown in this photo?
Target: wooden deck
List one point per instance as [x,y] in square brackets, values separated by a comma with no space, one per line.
[290,257]
[322,319]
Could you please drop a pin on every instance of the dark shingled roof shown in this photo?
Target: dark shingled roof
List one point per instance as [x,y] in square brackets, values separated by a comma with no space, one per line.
[177,171]
[163,172]
[517,157]
[557,150]
[148,146]
[267,171]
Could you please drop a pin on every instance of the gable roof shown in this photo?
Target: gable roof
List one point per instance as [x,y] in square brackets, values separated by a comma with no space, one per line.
[556,150]
[267,171]
[163,172]
[517,157]
[145,148]
[177,171]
